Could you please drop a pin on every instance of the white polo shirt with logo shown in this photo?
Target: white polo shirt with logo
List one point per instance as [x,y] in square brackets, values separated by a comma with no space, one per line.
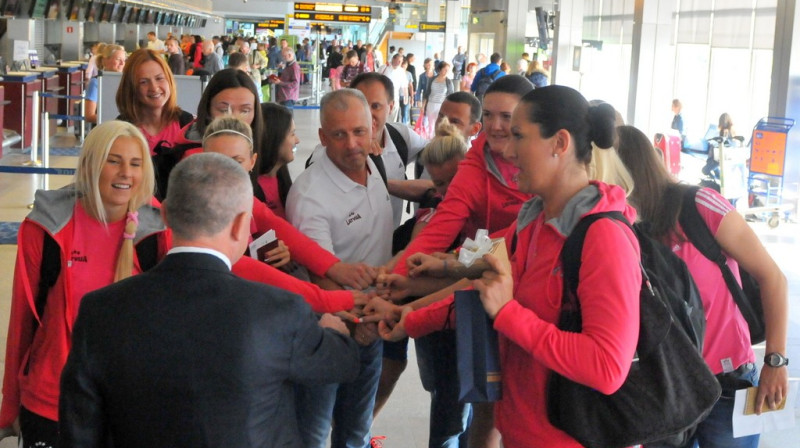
[392,162]
[352,221]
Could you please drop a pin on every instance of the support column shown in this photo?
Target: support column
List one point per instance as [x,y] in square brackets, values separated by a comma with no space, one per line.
[455,36]
[652,33]
[433,40]
[516,25]
[784,100]
[568,36]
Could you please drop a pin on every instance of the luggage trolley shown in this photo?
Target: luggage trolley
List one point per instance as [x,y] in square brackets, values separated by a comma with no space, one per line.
[767,160]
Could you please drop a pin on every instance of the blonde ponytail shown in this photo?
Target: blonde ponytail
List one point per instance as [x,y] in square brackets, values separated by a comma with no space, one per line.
[125,260]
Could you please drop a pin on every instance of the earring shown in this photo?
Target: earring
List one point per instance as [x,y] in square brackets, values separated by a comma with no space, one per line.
[555,155]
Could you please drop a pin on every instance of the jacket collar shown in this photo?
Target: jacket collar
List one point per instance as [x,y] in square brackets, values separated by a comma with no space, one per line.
[582,203]
[184,261]
[53,209]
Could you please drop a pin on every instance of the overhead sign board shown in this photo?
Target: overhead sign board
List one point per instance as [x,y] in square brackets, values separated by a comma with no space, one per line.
[326,17]
[432,27]
[271,24]
[332,8]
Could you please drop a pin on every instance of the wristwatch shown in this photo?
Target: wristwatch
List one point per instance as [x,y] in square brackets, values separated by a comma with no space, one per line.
[776,360]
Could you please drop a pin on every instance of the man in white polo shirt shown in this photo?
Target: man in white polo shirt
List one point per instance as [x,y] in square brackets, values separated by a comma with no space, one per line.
[342,203]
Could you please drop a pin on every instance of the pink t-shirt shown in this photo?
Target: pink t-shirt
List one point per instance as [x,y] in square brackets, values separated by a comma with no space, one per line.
[93,257]
[272,197]
[727,342]
[507,169]
[170,133]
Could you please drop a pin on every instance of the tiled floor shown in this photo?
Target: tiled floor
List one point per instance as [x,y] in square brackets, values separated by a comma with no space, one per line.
[405,418]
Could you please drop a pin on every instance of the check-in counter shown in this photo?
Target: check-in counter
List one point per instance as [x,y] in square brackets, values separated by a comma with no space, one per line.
[19,88]
[50,84]
[70,77]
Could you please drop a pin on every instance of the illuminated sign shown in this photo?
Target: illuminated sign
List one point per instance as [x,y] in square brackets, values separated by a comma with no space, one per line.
[324,17]
[332,8]
[272,24]
[432,27]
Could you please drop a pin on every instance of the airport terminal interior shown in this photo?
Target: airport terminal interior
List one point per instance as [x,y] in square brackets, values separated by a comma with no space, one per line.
[718,57]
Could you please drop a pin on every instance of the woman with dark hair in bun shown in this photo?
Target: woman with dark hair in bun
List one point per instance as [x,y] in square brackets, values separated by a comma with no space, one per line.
[553,130]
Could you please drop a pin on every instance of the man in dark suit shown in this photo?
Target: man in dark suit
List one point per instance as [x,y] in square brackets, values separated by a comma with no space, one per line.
[188,355]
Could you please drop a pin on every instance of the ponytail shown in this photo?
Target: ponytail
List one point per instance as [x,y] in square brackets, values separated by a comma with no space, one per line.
[125,259]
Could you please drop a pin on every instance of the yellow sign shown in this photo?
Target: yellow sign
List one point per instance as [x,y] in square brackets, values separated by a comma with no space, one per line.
[432,27]
[272,24]
[324,17]
[332,7]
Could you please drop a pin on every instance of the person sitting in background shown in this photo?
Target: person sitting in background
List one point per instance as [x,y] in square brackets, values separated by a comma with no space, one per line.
[111,60]
[176,61]
[222,354]
[147,97]
[727,137]
[727,349]
[677,119]
[97,231]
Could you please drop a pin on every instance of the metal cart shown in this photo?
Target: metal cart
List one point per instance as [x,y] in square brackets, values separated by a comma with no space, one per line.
[767,159]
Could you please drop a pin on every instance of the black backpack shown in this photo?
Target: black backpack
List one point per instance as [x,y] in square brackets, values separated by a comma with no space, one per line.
[485,81]
[747,295]
[166,155]
[669,388]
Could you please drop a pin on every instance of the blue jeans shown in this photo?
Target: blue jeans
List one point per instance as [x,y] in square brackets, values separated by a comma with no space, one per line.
[716,431]
[449,419]
[345,406]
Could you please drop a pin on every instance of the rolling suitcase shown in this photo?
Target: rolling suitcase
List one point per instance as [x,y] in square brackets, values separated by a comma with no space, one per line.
[670,146]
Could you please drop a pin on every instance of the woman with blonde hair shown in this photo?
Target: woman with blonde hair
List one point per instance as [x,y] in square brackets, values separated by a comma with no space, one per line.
[537,75]
[147,97]
[75,240]
[112,59]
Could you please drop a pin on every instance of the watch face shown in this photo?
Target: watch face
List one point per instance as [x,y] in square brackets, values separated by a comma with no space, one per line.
[775,360]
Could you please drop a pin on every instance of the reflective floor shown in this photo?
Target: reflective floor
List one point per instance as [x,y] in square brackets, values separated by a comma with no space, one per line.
[404,420]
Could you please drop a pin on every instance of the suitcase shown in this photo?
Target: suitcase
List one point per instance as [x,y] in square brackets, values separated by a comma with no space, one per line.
[670,146]
[415,112]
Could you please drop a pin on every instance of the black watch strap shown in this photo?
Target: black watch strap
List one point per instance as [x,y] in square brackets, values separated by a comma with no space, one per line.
[776,359]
